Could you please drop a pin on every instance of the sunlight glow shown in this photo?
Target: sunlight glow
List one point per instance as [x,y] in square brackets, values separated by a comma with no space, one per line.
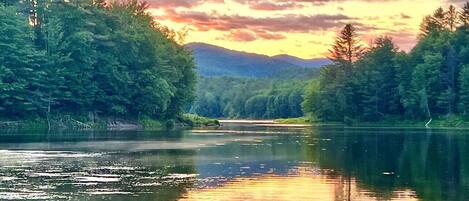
[298,30]
[305,185]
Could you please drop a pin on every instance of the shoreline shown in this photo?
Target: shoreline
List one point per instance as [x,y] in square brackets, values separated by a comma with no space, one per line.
[67,122]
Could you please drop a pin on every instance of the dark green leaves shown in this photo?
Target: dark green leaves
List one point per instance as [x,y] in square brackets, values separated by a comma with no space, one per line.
[108,60]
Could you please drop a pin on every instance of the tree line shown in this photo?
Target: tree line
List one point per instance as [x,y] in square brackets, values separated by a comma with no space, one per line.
[90,58]
[255,98]
[380,82]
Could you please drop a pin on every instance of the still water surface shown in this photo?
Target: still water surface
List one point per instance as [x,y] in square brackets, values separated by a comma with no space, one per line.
[237,162]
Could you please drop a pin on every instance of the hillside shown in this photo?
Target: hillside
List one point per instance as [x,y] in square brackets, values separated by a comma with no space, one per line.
[218,61]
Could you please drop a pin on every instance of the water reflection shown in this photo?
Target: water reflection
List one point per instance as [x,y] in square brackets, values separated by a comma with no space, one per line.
[435,164]
[243,163]
[303,183]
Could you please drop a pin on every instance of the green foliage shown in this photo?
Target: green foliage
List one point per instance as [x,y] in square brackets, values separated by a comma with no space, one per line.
[151,124]
[464,92]
[429,82]
[20,72]
[197,121]
[298,120]
[231,97]
[82,57]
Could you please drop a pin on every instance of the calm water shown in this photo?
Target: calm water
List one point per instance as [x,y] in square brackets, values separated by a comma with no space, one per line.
[237,162]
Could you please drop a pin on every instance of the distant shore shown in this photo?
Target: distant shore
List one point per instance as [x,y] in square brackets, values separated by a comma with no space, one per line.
[265,123]
[450,122]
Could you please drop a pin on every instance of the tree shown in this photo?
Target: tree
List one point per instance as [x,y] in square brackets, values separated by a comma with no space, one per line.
[449,76]
[451,18]
[464,92]
[330,101]
[427,84]
[464,15]
[435,23]
[19,71]
[310,105]
[255,106]
[347,47]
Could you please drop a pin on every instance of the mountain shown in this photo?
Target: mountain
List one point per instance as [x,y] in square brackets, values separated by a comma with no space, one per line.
[213,60]
[305,63]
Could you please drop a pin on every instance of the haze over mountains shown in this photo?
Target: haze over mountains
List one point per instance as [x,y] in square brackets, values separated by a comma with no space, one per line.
[213,60]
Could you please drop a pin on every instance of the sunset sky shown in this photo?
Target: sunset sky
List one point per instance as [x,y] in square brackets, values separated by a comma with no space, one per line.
[303,28]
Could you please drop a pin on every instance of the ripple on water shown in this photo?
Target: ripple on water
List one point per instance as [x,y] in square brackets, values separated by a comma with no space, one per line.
[180,176]
[97,179]
[108,192]
[5,179]
[26,196]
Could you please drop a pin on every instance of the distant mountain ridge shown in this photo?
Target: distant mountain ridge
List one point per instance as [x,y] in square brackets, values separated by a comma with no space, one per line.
[305,63]
[213,60]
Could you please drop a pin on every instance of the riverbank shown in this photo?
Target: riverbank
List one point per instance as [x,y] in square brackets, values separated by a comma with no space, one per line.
[67,122]
[438,122]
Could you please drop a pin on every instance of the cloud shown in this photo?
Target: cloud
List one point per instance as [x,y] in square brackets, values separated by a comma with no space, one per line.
[242,36]
[403,38]
[287,23]
[288,4]
[269,36]
[404,16]
[456,1]
[270,5]
[273,6]
[267,5]
[180,3]
[248,36]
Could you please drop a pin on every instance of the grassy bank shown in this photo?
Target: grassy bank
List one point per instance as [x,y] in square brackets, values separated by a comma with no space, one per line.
[299,120]
[438,122]
[193,120]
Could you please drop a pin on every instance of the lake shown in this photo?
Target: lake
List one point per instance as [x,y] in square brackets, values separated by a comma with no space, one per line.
[237,162]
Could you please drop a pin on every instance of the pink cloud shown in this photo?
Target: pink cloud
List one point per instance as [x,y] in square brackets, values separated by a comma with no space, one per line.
[242,36]
[288,23]
[248,36]
[180,3]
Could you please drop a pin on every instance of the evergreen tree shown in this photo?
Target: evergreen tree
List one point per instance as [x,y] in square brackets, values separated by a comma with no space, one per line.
[464,90]
[464,15]
[376,77]
[19,71]
[434,23]
[347,47]
[451,18]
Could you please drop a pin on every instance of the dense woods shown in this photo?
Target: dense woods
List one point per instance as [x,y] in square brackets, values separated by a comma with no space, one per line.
[261,98]
[90,59]
[381,82]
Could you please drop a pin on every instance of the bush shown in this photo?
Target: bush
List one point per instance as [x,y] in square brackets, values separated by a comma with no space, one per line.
[193,120]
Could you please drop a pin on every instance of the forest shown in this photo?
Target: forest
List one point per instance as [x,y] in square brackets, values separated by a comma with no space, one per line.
[89,60]
[381,82]
[253,98]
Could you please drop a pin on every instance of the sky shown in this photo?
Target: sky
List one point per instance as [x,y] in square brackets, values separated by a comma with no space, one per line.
[302,28]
